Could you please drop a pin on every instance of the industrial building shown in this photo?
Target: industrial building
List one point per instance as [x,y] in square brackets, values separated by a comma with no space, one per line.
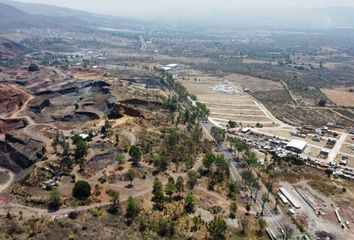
[297,146]
[291,199]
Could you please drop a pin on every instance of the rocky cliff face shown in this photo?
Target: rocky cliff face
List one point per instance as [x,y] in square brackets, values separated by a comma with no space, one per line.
[37,105]
[117,110]
[19,152]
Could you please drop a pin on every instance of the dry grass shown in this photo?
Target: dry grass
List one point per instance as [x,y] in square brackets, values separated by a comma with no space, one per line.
[325,188]
[349,139]
[346,148]
[340,96]
[279,133]
[224,107]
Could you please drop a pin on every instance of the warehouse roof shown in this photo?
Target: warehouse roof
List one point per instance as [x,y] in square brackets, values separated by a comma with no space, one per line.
[298,144]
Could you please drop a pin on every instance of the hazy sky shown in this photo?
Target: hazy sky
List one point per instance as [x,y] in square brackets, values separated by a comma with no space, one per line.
[122,7]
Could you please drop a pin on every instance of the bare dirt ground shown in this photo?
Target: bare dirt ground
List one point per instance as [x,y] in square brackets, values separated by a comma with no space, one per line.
[349,139]
[340,96]
[311,203]
[4,177]
[88,75]
[155,57]
[256,61]
[347,148]
[312,151]
[253,83]
[350,159]
[277,132]
[11,99]
[224,106]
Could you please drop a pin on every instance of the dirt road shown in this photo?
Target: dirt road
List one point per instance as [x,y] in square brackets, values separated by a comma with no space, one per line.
[4,186]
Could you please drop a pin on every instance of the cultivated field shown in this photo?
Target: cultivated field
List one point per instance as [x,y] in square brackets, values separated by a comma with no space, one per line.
[340,96]
[223,107]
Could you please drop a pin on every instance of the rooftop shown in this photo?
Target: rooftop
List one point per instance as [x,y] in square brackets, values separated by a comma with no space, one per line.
[298,144]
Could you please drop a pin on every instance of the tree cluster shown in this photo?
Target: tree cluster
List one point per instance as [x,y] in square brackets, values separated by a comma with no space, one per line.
[217,169]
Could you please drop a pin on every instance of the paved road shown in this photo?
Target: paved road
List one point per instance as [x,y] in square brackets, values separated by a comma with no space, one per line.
[335,150]
[142,42]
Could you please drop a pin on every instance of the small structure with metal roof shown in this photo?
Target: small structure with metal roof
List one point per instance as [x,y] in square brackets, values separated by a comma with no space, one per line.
[297,146]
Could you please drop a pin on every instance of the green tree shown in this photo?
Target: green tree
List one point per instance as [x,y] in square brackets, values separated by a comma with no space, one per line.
[322,103]
[130,176]
[217,228]
[56,140]
[232,124]
[81,149]
[197,134]
[189,202]
[133,208]
[248,209]
[265,198]
[180,185]
[249,179]
[161,162]
[170,187]
[81,190]
[158,197]
[240,146]
[54,200]
[251,159]
[116,139]
[120,160]
[233,209]
[222,168]
[135,154]
[105,128]
[208,161]
[67,160]
[81,152]
[115,199]
[192,179]
[262,225]
[165,228]
[218,134]
[76,138]
[232,190]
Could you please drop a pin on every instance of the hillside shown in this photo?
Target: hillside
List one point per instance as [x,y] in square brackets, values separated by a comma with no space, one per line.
[10,49]
[70,17]
[12,18]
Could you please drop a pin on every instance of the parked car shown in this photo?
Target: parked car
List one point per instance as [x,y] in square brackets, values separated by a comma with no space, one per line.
[344,161]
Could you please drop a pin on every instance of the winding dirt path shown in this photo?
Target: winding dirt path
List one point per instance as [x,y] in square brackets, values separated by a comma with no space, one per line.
[4,186]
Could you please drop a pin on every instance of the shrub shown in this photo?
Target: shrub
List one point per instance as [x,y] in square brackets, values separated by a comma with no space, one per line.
[81,190]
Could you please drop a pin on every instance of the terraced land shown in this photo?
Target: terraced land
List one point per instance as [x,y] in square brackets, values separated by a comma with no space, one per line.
[242,108]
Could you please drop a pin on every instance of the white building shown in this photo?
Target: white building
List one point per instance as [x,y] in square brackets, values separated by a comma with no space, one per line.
[297,146]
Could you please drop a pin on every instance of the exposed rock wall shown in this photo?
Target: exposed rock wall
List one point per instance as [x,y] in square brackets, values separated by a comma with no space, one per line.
[37,105]
[19,152]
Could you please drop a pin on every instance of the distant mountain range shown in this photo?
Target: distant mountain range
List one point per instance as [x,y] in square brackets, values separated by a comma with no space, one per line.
[29,15]
[313,18]
[10,49]
[12,18]
[19,15]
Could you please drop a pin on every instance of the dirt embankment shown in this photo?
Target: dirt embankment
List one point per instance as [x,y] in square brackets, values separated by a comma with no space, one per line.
[10,99]
[18,152]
